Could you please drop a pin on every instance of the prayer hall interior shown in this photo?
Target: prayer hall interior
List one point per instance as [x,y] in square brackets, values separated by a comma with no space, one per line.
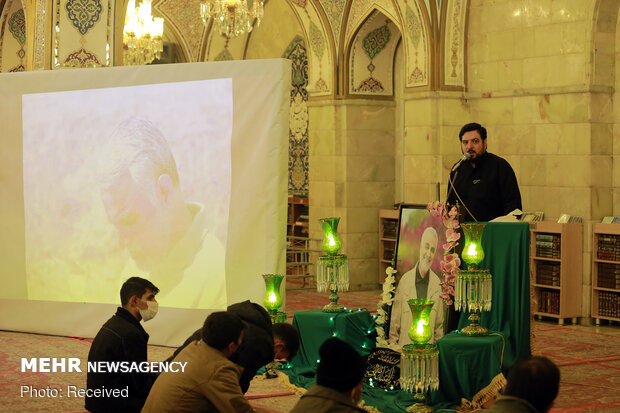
[379,92]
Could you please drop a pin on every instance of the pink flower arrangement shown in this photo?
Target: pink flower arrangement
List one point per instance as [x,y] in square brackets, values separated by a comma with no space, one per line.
[451,261]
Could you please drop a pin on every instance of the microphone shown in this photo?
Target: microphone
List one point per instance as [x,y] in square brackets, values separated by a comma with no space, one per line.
[466,157]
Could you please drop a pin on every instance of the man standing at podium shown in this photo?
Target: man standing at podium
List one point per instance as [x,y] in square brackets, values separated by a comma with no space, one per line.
[483,184]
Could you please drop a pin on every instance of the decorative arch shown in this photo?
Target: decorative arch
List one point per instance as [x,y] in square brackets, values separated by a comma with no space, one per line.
[321,50]
[371,49]
[184,21]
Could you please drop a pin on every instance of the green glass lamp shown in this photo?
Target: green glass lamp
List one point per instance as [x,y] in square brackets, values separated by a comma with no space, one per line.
[419,362]
[473,254]
[332,269]
[331,242]
[273,300]
[420,331]
[473,288]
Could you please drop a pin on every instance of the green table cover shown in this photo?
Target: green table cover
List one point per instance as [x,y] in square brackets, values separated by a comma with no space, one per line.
[506,247]
[466,364]
[356,327]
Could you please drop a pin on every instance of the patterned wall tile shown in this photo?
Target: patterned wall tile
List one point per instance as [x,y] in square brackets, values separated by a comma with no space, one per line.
[17,26]
[298,122]
[12,37]
[334,9]
[417,44]
[372,56]
[185,17]
[81,58]
[454,52]
[83,14]
[319,53]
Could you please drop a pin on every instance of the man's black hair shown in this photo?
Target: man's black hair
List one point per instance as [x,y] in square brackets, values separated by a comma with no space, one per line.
[222,328]
[289,336]
[341,367]
[136,286]
[471,127]
[535,379]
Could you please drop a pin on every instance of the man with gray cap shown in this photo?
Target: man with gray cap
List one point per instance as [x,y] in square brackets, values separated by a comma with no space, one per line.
[338,380]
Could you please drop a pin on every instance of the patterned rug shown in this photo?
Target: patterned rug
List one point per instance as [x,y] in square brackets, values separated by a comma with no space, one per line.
[588,357]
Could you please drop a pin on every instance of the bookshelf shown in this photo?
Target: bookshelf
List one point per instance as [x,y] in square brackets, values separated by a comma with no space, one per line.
[388,231]
[606,272]
[299,263]
[556,252]
[297,221]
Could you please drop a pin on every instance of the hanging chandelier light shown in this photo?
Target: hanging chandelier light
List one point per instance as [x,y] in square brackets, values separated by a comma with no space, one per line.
[232,17]
[142,35]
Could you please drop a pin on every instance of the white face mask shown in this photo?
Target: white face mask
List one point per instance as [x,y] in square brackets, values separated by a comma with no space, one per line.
[151,310]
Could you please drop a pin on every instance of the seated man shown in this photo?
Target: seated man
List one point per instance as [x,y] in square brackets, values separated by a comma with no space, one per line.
[210,382]
[338,380]
[531,387]
[122,338]
[262,341]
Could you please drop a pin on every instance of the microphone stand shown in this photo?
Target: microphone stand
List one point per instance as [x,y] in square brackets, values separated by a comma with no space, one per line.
[451,182]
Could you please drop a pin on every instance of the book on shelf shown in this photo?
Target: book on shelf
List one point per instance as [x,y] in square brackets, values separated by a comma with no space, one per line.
[548,245]
[549,302]
[569,219]
[532,216]
[608,304]
[608,247]
[390,229]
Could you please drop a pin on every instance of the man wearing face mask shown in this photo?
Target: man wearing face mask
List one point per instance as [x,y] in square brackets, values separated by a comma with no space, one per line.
[419,282]
[338,381]
[122,339]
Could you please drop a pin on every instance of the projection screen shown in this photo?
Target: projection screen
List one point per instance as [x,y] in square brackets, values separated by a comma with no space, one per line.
[175,173]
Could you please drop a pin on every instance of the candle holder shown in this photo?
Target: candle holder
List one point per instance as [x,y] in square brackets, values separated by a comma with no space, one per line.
[419,363]
[273,300]
[332,269]
[473,288]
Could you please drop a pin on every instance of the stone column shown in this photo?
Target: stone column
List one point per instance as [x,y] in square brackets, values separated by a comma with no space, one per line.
[351,174]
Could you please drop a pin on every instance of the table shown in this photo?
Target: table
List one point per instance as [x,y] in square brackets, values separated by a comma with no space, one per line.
[356,327]
[506,247]
[466,364]
[473,362]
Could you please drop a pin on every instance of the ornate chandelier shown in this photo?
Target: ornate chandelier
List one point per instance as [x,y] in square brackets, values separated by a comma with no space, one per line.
[232,17]
[142,35]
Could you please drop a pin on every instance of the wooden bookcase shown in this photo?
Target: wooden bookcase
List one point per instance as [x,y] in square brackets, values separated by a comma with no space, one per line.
[299,263]
[388,231]
[606,272]
[297,222]
[556,255]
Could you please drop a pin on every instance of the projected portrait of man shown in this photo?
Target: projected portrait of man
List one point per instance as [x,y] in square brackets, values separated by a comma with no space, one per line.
[419,282]
[166,236]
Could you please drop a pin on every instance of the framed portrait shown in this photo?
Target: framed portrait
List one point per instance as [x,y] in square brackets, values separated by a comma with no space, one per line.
[419,251]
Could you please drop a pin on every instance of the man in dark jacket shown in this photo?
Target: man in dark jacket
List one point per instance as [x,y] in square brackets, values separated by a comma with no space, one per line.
[122,339]
[338,381]
[531,387]
[484,186]
[262,341]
